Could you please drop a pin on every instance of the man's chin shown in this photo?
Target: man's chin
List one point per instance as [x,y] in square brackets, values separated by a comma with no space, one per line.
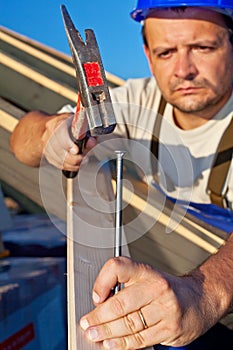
[190,104]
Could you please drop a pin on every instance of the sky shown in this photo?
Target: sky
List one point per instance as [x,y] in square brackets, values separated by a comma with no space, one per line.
[118,36]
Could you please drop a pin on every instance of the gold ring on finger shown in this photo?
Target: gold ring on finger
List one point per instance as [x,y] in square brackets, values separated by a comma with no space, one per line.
[142,319]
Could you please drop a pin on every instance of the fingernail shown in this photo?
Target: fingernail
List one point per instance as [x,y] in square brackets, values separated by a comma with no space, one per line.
[109,344]
[95,297]
[73,150]
[92,334]
[84,323]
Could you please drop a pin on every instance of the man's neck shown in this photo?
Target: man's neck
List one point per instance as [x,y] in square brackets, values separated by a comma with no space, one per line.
[188,121]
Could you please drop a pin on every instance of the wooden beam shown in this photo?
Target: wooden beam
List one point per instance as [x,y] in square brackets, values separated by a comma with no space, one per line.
[39,78]
[29,50]
[163,235]
[90,239]
[29,94]
[142,206]
[7,121]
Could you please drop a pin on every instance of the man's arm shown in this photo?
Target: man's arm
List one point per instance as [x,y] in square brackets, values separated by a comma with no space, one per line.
[176,310]
[26,139]
[38,134]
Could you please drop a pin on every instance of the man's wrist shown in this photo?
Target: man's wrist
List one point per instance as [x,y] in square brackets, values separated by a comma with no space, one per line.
[215,282]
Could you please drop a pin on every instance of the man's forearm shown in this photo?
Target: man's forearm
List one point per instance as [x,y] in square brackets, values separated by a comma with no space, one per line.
[216,276]
[25,140]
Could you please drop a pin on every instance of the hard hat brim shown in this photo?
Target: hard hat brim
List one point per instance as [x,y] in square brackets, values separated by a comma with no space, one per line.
[140,12]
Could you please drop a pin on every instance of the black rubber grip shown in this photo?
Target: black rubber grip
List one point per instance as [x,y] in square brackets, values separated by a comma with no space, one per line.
[81,144]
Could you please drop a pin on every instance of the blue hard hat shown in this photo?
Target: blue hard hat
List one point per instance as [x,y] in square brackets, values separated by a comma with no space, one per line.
[140,12]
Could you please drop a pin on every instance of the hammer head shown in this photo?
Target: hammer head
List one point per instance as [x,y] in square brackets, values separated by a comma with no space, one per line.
[91,80]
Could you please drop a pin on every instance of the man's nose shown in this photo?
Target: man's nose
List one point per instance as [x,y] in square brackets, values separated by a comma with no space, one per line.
[185,67]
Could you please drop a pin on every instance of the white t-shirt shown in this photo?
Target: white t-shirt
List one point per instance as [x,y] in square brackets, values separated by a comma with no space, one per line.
[185,156]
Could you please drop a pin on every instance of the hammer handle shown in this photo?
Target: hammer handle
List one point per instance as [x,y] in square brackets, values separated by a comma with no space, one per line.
[81,144]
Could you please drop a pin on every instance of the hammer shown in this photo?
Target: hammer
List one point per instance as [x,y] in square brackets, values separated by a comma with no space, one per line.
[94,113]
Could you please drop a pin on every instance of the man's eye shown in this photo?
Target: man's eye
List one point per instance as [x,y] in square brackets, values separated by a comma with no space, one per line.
[203,48]
[165,54]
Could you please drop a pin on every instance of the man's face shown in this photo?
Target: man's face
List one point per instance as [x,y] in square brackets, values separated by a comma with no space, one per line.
[191,58]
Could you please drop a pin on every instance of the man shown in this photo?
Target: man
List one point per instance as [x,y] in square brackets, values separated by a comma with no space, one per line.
[190,53]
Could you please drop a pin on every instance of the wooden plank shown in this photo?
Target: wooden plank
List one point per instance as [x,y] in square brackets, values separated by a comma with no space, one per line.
[177,250]
[7,121]
[39,78]
[44,63]
[48,81]
[93,243]
[31,182]
[155,212]
[28,50]
[16,174]
[37,45]
[24,203]
[12,114]
[27,93]
[91,231]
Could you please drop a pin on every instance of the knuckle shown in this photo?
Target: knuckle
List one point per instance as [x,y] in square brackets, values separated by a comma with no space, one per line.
[175,327]
[139,340]
[130,323]
[176,309]
[117,262]
[107,331]
[118,307]
[164,285]
[124,343]
[135,341]
[113,262]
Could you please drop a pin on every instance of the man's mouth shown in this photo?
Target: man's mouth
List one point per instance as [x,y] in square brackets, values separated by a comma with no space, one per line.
[188,89]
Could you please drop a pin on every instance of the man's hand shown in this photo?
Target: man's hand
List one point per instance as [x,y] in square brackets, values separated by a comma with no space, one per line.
[59,149]
[39,134]
[152,308]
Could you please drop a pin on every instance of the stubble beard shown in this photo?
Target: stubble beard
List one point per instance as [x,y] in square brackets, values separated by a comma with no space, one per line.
[191,106]
[203,101]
